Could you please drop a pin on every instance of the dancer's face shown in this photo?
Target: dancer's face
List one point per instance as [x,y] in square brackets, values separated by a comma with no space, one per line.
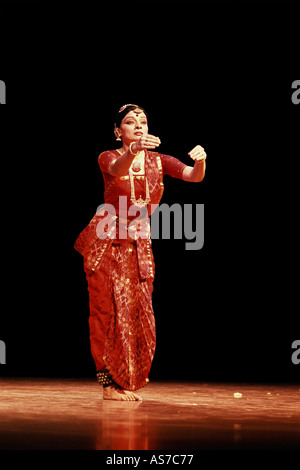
[133,126]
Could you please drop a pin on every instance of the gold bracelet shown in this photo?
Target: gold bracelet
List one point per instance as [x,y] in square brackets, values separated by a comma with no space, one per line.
[130,151]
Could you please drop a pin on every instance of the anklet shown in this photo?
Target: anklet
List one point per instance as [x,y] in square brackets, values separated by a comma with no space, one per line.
[104,378]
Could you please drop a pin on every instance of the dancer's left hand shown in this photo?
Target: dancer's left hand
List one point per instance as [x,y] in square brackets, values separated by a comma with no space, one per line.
[198,154]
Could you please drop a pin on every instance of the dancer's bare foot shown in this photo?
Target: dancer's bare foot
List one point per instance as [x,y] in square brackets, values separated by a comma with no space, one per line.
[135,396]
[112,392]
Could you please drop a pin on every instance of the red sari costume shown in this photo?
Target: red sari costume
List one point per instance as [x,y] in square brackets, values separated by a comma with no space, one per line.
[120,273]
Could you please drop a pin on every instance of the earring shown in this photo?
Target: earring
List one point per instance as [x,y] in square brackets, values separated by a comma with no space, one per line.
[117,135]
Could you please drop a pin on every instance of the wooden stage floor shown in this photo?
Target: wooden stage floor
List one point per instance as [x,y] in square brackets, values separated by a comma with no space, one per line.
[67,414]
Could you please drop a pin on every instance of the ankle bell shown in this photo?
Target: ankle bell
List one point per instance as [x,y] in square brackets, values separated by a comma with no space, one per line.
[104,378]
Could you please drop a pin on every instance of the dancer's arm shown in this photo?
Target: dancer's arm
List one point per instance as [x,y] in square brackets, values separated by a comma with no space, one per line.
[120,165]
[195,173]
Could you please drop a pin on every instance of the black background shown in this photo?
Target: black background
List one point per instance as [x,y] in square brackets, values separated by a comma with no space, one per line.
[217,74]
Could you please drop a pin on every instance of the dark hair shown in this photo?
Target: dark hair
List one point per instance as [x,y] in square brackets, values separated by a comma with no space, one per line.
[125,110]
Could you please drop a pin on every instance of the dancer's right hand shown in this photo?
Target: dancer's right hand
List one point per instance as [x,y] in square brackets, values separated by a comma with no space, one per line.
[147,141]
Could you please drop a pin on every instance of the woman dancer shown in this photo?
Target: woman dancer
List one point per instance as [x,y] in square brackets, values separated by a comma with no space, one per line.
[118,259]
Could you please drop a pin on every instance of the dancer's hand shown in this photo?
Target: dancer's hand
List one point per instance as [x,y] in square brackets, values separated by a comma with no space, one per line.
[197,154]
[146,142]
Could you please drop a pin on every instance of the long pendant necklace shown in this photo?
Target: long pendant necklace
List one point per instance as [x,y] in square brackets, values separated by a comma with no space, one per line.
[140,202]
[137,163]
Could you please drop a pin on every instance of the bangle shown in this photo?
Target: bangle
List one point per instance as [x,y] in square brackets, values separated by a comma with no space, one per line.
[130,150]
[201,160]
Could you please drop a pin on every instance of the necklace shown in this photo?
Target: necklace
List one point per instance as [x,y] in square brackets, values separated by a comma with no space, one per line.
[138,162]
[136,166]
[140,202]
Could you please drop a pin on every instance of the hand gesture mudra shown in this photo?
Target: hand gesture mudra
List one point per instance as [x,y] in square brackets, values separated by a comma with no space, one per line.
[198,154]
[146,142]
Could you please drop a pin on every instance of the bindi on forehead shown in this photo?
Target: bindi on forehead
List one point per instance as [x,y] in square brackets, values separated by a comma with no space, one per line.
[137,111]
[136,114]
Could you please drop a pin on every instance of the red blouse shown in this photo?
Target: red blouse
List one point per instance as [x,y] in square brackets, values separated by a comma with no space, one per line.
[171,165]
[90,243]
[120,186]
